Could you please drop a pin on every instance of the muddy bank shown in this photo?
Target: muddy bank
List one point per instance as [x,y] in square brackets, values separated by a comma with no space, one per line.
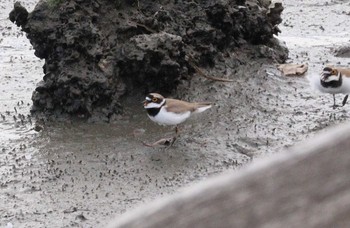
[96,52]
[81,174]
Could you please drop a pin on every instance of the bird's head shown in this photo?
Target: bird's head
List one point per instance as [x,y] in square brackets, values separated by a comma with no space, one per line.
[153,100]
[330,74]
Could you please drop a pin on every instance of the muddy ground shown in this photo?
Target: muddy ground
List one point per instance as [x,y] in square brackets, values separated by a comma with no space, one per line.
[82,174]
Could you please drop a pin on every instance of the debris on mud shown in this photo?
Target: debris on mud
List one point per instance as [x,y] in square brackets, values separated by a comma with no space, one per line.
[98,51]
[342,51]
[293,69]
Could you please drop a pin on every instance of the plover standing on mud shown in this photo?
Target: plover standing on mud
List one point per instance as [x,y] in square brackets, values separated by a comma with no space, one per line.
[167,111]
[332,80]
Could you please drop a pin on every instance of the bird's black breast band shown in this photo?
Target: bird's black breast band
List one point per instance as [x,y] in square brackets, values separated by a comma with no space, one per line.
[154,111]
[332,84]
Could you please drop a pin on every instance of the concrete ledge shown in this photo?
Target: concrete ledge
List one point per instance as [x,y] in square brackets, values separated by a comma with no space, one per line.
[307,186]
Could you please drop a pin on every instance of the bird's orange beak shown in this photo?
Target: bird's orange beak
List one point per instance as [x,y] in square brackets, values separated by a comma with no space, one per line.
[145,103]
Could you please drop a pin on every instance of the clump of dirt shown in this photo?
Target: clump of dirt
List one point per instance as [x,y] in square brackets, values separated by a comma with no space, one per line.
[96,51]
[342,51]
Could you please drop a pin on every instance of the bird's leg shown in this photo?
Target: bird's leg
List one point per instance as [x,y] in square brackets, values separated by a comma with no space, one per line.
[177,133]
[345,99]
[167,142]
[334,105]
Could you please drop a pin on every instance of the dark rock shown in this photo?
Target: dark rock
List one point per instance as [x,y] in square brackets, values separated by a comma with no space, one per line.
[98,51]
[147,59]
[19,14]
[274,16]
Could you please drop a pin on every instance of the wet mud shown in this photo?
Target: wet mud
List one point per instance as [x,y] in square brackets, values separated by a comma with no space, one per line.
[79,174]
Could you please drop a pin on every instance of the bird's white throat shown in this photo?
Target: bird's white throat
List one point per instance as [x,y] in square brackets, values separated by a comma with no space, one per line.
[332,78]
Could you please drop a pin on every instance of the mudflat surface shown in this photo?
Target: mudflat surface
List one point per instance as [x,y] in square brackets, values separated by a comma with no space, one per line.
[78,174]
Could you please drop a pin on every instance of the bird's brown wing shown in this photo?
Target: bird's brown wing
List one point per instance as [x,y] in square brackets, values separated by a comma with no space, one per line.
[345,72]
[179,106]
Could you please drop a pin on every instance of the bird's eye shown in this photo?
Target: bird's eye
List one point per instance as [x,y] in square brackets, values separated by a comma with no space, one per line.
[154,99]
[334,72]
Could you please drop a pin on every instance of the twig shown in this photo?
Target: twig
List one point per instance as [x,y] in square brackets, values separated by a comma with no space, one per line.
[144,27]
[200,71]
[162,142]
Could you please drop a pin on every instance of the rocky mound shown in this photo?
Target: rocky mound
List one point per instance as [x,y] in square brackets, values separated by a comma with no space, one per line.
[96,51]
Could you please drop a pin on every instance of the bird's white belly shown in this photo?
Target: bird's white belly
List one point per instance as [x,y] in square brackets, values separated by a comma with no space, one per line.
[169,118]
[330,90]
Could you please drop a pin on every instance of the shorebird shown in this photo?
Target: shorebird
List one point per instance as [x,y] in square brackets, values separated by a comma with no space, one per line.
[167,111]
[333,80]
